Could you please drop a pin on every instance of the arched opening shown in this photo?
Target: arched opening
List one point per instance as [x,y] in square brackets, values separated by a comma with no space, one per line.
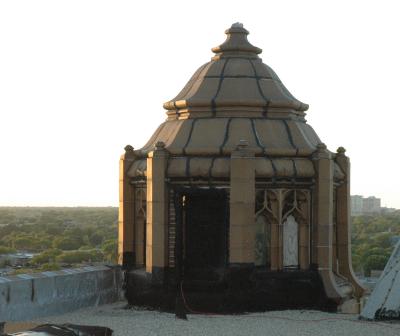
[202,224]
[140,227]
[262,241]
[290,243]
[140,239]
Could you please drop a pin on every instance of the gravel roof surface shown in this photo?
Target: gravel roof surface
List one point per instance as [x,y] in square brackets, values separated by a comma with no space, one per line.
[135,322]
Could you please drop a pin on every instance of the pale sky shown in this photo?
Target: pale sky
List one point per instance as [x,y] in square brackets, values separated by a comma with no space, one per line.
[79,80]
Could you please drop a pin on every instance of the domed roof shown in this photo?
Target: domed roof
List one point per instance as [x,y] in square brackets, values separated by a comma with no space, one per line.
[235,83]
[233,98]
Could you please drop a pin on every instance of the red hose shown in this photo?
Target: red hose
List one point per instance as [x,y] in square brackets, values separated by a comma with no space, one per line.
[190,310]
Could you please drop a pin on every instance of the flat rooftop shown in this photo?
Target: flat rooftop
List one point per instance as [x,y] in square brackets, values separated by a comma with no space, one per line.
[139,322]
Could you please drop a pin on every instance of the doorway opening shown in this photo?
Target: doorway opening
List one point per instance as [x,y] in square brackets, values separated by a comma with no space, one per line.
[204,232]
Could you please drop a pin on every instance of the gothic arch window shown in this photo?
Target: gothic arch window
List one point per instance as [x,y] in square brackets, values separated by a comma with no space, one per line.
[263,230]
[140,226]
[282,228]
[263,241]
[290,243]
[292,217]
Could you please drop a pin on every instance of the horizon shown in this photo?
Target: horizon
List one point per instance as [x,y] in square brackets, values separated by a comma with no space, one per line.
[81,80]
[116,206]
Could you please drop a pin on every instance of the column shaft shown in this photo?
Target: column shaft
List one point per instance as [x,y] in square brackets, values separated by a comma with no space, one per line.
[242,207]
[324,221]
[126,253]
[156,227]
[343,225]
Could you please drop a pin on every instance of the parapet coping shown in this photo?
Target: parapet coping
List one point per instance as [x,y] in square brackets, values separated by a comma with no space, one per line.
[48,274]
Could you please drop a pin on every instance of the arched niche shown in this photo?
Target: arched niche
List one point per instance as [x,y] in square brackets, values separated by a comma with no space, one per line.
[290,243]
[263,223]
[140,227]
[262,241]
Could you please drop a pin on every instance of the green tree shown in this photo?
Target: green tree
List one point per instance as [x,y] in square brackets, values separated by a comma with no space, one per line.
[110,250]
[47,256]
[24,243]
[67,243]
[49,267]
[96,239]
[7,250]
[74,257]
[374,262]
[383,240]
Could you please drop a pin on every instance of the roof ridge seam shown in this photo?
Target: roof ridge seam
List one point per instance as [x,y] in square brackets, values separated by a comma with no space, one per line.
[221,78]
[267,102]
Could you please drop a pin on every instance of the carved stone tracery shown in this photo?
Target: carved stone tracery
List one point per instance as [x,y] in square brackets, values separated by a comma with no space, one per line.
[282,228]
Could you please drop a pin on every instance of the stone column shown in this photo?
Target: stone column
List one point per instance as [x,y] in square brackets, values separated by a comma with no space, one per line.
[276,206]
[281,202]
[343,224]
[304,233]
[324,221]
[156,227]
[303,246]
[126,252]
[242,206]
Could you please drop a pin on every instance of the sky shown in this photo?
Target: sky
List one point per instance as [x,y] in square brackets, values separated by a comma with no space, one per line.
[79,80]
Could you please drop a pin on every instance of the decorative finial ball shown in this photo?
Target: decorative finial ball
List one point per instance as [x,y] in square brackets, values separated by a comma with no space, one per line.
[321,146]
[341,150]
[160,145]
[128,148]
[237,25]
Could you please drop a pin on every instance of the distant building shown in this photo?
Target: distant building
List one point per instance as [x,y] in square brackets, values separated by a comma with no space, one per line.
[385,210]
[371,205]
[17,259]
[356,205]
[365,205]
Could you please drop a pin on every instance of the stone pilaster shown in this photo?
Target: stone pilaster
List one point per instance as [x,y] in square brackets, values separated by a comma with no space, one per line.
[343,224]
[281,198]
[126,252]
[242,206]
[324,221]
[305,234]
[304,239]
[156,226]
[276,227]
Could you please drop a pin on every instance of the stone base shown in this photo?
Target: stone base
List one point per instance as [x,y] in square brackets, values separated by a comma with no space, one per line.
[351,306]
[237,290]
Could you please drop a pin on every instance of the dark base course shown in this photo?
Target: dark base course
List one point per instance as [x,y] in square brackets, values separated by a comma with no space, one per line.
[232,291]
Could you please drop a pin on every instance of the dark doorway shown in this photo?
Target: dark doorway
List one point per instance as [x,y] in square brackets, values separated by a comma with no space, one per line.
[204,232]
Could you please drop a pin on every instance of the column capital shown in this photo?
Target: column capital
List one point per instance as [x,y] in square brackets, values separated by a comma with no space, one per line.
[159,151]
[342,160]
[341,151]
[129,153]
[322,153]
[242,150]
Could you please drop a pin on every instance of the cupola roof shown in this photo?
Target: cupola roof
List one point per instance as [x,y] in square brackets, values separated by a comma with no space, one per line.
[234,99]
[235,83]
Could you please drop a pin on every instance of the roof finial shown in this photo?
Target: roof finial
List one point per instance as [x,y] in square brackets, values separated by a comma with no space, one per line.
[236,43]
[237,25]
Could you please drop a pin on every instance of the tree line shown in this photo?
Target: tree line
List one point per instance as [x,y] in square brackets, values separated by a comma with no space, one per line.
[72,236]
[60,236]
[373,239]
